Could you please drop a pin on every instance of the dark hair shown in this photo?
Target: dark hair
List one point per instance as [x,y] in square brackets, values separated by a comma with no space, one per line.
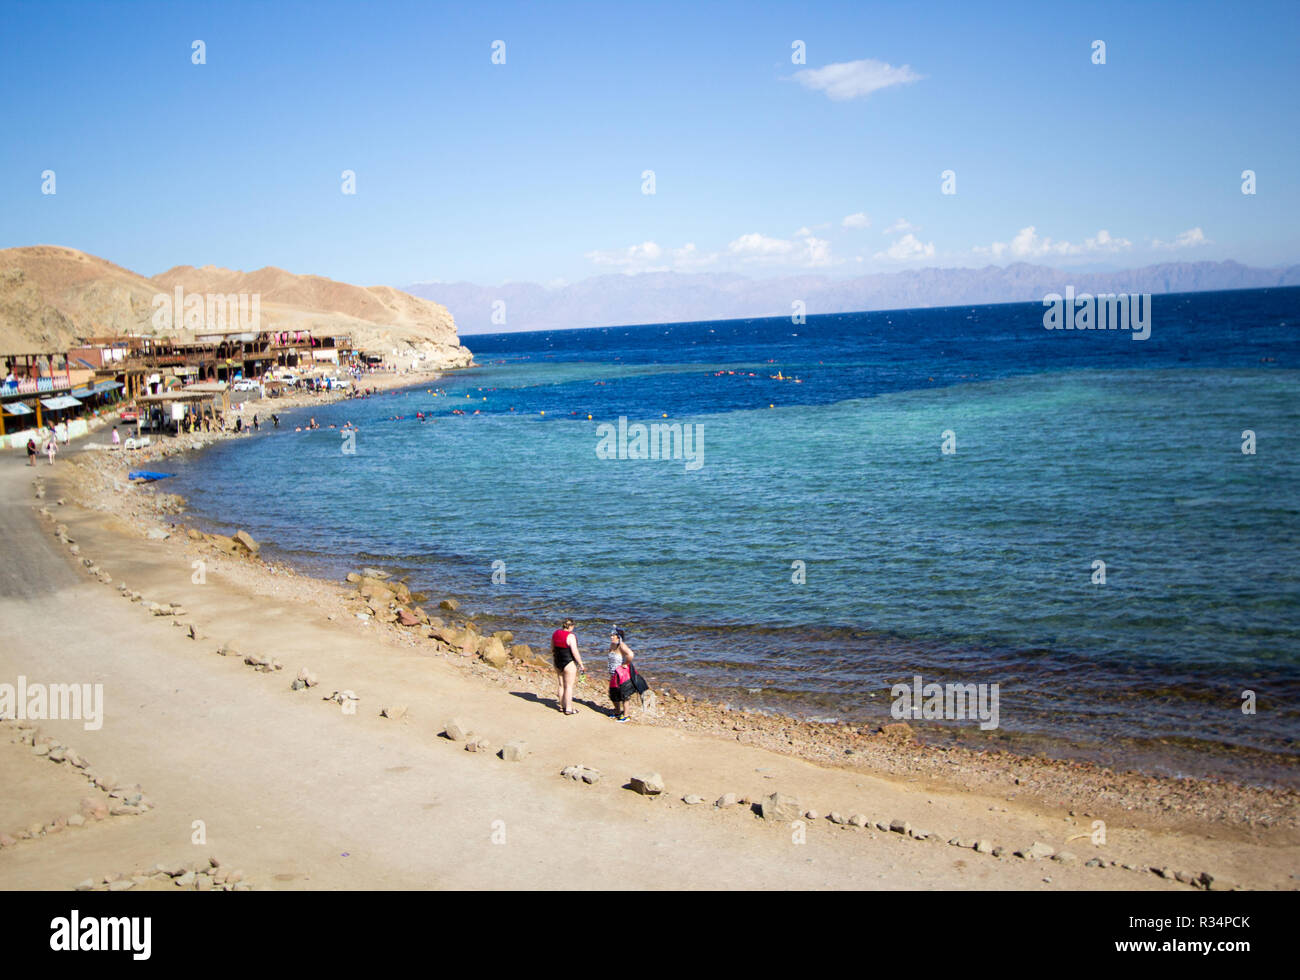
[567,624]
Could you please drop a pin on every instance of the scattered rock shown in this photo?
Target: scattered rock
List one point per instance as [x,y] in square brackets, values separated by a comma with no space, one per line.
[477,743]
[514,751]
[493,652]
[859,820]
[780,808]
[690,799]
[900,827]
[899,730]
[647,784]
[457,730]
[395,712]
[727,799]
[583,773]
[451,605]
[1036,851]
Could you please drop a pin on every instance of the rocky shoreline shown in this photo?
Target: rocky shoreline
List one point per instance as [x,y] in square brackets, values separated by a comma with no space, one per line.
[373,599]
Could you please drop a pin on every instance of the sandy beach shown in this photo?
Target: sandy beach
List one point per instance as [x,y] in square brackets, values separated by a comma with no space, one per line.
[207,752]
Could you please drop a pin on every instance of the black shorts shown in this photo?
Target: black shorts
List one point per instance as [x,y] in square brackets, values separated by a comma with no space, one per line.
[615,694]
[561,657]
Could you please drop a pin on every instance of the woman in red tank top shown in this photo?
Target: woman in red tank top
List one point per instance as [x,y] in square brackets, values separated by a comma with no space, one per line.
[568,661]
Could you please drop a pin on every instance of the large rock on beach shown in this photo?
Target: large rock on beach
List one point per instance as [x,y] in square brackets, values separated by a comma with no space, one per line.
[514,751]
[457,730]
[781,808]
[492,652]
[647,783]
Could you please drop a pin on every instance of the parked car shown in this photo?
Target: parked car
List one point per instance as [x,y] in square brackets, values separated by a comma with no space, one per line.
[246,384]
[129,414]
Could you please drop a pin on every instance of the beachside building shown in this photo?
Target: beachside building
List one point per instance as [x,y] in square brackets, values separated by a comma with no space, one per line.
[39,390]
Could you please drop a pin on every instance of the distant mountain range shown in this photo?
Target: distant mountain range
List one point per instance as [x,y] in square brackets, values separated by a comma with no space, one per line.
[667,297]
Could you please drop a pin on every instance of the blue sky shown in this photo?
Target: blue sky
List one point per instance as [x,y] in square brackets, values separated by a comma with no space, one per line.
[532,169]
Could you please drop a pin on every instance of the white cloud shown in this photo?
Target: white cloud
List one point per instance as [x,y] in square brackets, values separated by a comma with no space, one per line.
[651,257]
[899,227]
[805,230]
[1104,242]
[855,79]
[907,249]
[1028,245]
[1191,238]
[859,220]
[689,257]
[808,250]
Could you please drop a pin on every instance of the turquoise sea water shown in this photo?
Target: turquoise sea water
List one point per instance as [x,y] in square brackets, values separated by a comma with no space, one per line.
[974,566]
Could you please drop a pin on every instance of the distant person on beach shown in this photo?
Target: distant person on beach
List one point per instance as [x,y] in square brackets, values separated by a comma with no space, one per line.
[117,440]
[275,421]
[51,447]
[31,452]
[568,661]
[256,427]
[620,671]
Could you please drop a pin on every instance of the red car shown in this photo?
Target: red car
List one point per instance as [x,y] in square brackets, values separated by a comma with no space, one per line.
[129,414]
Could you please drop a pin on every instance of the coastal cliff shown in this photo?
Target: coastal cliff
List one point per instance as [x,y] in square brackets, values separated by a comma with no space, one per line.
[51,298]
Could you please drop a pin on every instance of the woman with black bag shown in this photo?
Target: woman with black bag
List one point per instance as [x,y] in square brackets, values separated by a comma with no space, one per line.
[622,674]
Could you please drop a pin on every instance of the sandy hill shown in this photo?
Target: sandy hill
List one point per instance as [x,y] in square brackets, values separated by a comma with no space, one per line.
[52,297]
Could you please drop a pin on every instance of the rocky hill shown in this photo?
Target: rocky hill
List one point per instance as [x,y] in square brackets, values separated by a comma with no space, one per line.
[53,297]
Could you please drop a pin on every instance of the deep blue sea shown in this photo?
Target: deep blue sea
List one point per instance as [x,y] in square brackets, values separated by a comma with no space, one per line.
[975,565]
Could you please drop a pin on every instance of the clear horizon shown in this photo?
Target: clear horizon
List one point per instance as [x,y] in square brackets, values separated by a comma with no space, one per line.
[533,170]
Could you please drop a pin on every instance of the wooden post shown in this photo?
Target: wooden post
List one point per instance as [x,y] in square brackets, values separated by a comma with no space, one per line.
[39,423]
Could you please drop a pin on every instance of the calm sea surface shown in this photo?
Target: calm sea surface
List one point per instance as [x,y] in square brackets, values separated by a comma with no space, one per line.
[974,566]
